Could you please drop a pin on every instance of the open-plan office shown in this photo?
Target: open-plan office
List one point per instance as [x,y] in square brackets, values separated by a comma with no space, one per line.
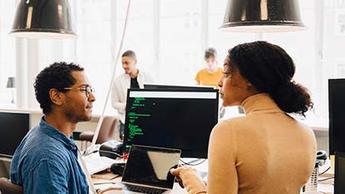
[141,92]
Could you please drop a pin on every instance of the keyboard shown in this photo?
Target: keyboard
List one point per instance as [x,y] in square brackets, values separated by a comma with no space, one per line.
[142,189]
[96,163]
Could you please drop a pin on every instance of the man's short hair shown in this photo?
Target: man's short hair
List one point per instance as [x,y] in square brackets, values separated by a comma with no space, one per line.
[131,54]
[56,75]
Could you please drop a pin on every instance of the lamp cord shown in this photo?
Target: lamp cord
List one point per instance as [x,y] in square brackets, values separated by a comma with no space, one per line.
[193,162]
[112,78]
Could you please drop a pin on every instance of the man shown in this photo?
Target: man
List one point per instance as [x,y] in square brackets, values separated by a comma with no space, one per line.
[132,78]
[46,161]
[211,74]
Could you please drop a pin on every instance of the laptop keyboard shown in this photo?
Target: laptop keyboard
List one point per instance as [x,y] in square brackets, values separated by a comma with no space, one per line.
[145,189]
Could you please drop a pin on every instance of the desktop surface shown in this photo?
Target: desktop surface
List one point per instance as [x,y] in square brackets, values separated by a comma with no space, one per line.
[106,181]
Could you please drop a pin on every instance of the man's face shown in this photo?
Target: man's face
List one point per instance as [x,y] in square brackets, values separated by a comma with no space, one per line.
[211,61]
[128,64]
[79,99]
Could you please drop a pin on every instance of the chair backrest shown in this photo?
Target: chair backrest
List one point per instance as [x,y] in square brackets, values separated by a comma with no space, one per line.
[6,187]
[108,130]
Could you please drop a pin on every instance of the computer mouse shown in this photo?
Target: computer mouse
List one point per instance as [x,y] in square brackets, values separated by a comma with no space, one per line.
[117,168]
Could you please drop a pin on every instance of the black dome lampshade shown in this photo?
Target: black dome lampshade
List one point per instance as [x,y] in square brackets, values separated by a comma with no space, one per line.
[43,19]
[262,16]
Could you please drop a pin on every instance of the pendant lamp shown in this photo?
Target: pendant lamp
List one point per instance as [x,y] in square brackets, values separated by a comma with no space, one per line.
[262,16]
[43,19]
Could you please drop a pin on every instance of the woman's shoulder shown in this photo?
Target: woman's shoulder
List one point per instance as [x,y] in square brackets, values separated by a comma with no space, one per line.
[230,125]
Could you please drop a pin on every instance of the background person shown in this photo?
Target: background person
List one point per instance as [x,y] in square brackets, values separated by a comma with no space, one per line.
[131,78]
[211,74]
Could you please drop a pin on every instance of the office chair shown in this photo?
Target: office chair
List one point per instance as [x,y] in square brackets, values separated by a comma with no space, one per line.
[7,187]
[109,131]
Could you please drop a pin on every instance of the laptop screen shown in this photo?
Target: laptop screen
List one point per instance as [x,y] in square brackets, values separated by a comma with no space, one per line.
[150,166]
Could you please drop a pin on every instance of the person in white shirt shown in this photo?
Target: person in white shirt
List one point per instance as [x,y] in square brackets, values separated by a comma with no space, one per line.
[132,78]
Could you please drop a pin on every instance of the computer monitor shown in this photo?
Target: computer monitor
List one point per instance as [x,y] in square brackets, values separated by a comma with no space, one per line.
[339,173]
[336,99]
[178,119]
[13,128]
[178,87]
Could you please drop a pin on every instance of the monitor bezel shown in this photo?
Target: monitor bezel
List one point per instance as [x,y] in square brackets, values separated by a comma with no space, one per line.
[178,87]
[331,127]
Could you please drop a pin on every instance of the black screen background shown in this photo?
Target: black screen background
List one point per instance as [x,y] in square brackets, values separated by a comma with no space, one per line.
[184,124]
[336,88]
[13,128]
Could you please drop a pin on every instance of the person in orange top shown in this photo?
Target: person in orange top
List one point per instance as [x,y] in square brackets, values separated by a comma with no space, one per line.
[210,75]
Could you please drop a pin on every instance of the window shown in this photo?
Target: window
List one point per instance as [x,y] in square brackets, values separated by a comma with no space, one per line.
[169,38]
[180,47]
[7,54]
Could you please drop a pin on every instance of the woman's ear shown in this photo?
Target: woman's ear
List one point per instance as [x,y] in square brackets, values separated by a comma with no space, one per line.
[250,87]
[56,97]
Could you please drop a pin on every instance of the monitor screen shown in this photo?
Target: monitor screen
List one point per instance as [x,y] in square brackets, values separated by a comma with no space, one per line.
[13,128]
[173,119]
[336,99]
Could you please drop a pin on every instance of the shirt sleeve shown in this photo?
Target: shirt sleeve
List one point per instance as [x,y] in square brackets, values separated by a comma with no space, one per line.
[47,177]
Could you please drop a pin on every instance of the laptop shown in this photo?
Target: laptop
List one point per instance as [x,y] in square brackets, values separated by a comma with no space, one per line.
[148,169]
[339,180]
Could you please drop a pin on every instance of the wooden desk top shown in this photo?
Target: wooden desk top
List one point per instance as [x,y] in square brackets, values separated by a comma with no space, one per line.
[108,183]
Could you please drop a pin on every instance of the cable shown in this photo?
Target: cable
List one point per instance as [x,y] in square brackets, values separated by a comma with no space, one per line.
[192,163]
[325,171]
[325,179]
[107,182]
[95,136]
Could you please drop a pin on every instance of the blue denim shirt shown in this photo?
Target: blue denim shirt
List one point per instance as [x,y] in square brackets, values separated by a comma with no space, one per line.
[46,161]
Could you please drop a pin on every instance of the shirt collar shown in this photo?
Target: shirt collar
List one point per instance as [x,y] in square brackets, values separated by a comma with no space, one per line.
[260,102]
[56,134]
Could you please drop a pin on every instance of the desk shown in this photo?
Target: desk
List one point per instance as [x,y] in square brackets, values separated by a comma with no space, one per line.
[325,187]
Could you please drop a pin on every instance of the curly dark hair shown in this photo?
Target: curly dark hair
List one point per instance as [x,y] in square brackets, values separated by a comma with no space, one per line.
[270,69]
[56,75]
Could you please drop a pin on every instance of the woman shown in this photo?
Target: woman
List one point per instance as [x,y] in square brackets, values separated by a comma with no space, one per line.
[267,151]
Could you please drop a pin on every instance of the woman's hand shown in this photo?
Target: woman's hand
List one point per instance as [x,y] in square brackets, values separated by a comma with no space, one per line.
[192,182]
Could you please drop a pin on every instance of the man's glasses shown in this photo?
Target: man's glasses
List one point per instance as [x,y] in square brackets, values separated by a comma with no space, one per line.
[87,89]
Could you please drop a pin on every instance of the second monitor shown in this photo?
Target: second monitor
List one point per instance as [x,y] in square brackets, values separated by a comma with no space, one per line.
[171,118]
